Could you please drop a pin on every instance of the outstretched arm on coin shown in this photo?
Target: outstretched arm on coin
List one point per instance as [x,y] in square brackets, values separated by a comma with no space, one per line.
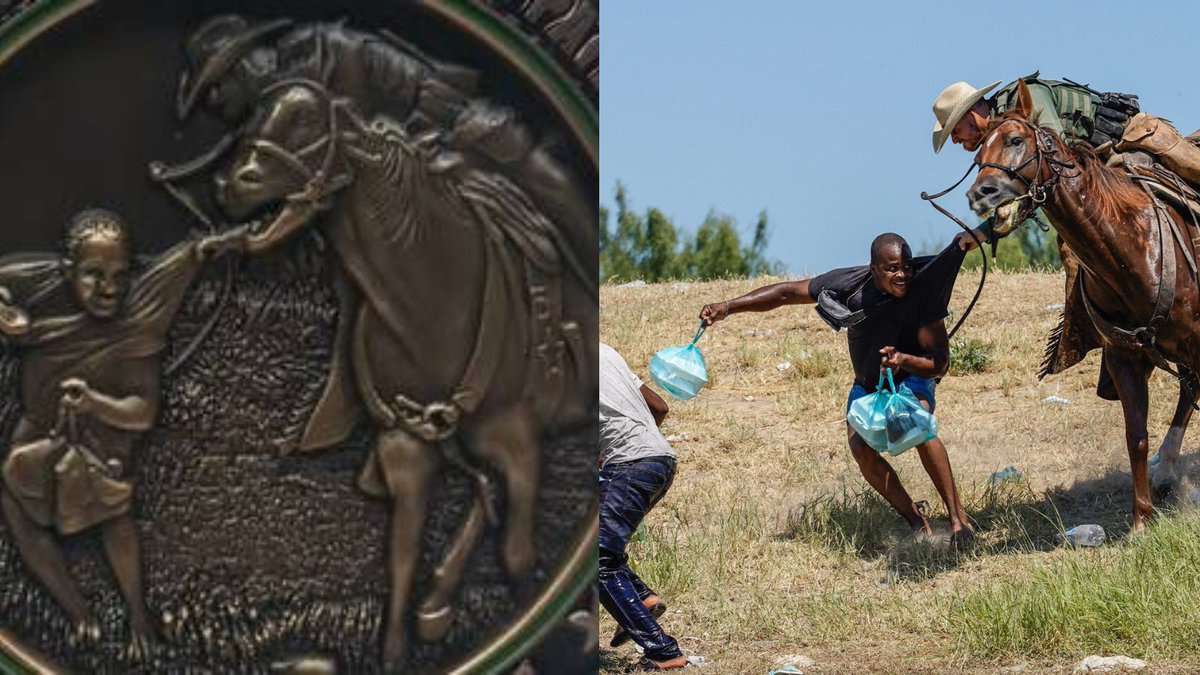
[135,412]
[14,321]
[301,208]
[759,300]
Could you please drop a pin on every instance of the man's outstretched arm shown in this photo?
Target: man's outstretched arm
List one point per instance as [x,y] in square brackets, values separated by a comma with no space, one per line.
[658,407]
[759,300]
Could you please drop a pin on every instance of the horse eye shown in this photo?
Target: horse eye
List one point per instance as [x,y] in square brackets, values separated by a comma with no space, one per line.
[1016,140]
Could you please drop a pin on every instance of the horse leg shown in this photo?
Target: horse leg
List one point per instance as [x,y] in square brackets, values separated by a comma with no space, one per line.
[1165,475]
[433,617]
[1131,376]
[408,466]
[507,440]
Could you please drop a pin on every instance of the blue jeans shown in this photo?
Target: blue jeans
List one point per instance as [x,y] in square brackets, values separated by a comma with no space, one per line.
[627,493]
[922,387]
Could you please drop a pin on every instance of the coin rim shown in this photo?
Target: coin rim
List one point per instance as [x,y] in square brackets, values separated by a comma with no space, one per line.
[580,116]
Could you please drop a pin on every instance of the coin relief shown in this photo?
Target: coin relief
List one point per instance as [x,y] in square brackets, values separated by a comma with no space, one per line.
[302,378]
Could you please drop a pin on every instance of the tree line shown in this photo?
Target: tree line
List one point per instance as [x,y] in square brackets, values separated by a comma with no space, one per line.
[650,247]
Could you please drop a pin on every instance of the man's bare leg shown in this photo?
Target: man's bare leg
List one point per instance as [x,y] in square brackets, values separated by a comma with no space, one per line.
[40,550]
[124,553]
[937,464]
[881,476]
[936,461]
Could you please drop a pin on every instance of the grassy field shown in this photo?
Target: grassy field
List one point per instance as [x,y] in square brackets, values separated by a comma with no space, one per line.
[770,543]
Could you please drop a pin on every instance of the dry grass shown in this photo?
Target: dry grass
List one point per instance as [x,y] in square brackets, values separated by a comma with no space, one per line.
[770,543]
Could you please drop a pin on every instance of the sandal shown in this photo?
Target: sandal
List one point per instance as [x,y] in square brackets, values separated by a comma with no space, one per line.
[645,665]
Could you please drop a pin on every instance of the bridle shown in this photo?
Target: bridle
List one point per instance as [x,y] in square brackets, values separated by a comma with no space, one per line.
[1142,338]
[1045,155]
[1036,191]
[299,162]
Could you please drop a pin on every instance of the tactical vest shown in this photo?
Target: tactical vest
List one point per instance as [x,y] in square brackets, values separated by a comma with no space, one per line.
[1078,112]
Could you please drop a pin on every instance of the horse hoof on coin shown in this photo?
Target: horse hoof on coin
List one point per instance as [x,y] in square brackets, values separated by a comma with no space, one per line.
[432,625]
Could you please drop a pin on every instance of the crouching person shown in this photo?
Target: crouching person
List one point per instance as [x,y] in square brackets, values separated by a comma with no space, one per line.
[893,311]
[637,466]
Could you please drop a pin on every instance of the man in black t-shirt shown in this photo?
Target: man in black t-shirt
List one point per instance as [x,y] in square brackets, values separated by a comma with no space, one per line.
[893,310]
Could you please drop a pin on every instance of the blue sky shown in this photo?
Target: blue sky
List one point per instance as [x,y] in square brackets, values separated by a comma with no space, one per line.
[820,113]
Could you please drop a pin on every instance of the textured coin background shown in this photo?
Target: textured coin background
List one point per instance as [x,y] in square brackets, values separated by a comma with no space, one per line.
[253,556]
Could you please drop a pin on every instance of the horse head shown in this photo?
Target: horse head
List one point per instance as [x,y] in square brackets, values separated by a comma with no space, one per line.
[292,144]
[1017,166]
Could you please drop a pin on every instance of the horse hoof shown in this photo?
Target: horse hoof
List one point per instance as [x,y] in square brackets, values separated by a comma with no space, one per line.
[432,625]
[520,558]
[393,656]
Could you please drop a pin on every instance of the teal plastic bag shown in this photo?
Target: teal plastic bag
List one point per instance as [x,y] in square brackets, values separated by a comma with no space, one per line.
[868,416]
[909,424]
[892,419]
[680,371]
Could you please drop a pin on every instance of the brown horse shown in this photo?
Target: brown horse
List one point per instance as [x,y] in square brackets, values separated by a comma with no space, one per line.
[1144,304]
[467,338]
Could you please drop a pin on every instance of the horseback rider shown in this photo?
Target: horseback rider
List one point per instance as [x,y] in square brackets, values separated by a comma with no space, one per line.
[1077,113]
[232,61]
[1108,122]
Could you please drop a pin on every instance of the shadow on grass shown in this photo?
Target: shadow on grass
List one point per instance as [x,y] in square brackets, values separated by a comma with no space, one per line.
[1009,518]
[613,662]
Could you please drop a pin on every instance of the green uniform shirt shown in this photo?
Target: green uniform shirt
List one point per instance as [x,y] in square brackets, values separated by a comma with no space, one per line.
[1068,110]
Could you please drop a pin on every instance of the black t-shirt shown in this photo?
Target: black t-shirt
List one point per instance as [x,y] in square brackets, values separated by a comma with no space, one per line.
[890,321]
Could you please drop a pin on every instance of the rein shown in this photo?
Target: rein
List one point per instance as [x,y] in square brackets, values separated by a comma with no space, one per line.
[979,290]
[1143,338]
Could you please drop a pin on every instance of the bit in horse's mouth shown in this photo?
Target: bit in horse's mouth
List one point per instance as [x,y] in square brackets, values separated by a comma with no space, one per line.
[1005,217]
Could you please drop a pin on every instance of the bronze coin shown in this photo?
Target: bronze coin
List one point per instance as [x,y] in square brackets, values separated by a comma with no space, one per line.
[299,330]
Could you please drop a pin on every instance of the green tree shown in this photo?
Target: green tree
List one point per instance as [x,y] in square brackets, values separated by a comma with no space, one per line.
[755,255]
[716,251]
[651,248]
[620,251]
[662,260]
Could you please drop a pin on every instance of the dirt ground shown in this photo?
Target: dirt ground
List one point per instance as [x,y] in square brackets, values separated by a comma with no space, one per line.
[765,444]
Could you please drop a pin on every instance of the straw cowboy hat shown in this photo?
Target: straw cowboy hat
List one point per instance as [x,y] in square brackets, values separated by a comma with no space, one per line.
[214,48]
[951,105]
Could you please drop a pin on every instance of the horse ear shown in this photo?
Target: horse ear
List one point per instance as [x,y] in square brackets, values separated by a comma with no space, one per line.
[1024,100]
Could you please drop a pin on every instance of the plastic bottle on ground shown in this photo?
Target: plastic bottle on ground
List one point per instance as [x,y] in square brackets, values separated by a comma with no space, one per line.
[1085,535]
[1009,473]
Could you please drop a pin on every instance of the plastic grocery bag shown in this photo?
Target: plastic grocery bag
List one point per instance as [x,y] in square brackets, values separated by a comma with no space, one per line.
[908,423]
[868,417]
[891,420]
[680,371]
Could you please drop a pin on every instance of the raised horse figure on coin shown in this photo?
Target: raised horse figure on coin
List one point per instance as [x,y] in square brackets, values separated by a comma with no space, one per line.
[468,328]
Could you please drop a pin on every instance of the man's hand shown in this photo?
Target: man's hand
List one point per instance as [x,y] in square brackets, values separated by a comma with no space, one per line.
[892,359]
[713,313]
[13,320]
[216,245]
[77,396]
[966,242]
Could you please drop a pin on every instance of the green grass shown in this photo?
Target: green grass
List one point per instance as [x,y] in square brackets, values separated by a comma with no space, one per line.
[968,355]
[1140,598]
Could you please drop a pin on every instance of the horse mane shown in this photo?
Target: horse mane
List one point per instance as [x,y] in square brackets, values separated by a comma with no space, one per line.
[1112,196]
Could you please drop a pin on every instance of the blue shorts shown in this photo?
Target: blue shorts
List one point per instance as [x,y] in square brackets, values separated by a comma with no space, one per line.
[922,387]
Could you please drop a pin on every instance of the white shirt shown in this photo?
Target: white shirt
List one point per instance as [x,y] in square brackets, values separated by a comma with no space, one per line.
[627,429]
